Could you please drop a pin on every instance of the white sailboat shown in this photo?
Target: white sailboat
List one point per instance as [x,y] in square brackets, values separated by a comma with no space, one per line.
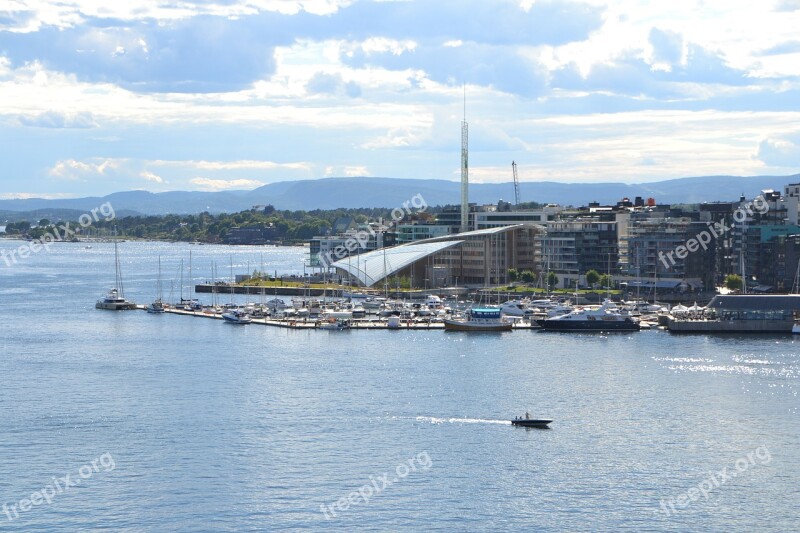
[115,298]
[158,305]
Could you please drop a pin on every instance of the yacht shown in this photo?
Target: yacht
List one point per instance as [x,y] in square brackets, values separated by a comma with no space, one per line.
[114,301]
[236,317]
[115,298]
[479,319]
[607,317]
[516,308]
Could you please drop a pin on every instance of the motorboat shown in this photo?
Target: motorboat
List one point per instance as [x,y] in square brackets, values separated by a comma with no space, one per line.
[236,317]
[479,319]
[335,324]
[528,422]
[516,308]
[607,317]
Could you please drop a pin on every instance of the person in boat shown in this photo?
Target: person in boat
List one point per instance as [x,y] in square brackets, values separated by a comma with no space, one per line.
[527,415]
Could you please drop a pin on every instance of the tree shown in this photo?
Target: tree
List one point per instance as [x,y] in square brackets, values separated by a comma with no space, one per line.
[592,277]
[552,280]
[527,276]
[513,275]
[606,281]
[733,282]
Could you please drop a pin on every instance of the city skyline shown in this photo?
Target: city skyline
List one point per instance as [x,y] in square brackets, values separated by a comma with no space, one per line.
[203,96]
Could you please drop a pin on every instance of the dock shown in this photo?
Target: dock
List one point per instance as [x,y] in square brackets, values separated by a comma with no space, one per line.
[311,323]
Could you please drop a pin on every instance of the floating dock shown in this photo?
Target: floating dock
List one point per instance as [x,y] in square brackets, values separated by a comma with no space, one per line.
[309,323]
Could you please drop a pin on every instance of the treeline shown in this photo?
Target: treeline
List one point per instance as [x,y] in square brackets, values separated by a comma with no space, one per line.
[287,226]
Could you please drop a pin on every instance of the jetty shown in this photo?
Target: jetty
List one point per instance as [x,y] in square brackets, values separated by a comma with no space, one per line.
[314,323]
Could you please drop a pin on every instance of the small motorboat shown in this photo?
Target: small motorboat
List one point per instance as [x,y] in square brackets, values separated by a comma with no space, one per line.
[529,422]
[237,317]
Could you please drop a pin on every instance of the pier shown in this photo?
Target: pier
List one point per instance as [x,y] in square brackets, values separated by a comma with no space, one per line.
[312,324]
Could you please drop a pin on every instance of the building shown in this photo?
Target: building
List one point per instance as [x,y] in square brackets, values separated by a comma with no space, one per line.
[570,248]
[253,235]
[473,259]
[497,218]
[411,232]
[326,249]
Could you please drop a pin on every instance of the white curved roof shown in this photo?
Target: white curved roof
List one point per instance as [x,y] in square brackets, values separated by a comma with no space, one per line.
[372,267]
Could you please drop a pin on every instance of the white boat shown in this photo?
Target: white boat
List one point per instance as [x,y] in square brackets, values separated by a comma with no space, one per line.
[115,298]
[158,305]
[606,317]
[276,304]
[236,317]
[393,322]
[516,308]
[335,324]
[479,319]
[114,301]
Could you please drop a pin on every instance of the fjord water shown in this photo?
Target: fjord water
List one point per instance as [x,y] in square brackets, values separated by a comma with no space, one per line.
[214,427]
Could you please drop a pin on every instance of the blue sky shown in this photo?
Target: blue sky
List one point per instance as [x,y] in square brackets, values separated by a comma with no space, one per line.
[233,94]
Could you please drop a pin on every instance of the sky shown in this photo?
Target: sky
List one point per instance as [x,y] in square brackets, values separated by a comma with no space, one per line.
[99,97]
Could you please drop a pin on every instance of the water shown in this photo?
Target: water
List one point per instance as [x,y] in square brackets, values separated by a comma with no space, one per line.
[214,427]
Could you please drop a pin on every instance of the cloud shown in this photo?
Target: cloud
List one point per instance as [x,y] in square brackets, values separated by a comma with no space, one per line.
[786,47]
[779,153]
[667,47]
[472,63]
[72,170]
[332,84]
[29,195]
[787,5]
[208,184]
[149,176]
[57,119]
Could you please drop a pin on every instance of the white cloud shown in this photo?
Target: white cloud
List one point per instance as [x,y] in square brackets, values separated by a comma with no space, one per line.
[73,170]
[208,184]
[149,176]
[779,153]
[29,195]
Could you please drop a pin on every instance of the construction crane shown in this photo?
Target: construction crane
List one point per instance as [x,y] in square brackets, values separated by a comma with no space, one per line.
[516,183]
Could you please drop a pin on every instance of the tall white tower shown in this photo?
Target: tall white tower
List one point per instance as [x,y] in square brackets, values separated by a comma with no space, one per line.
[465,168]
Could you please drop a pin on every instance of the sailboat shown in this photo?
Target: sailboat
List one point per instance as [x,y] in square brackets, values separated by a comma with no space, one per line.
[158,305]
[115,298]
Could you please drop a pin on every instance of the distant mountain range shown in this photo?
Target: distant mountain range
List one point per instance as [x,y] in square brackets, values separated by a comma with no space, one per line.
[332,193]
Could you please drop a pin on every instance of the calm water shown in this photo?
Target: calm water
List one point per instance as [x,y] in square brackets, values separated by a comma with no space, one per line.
[197,425]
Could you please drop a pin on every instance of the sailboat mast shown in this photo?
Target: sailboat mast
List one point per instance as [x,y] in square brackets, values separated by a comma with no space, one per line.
[117,270]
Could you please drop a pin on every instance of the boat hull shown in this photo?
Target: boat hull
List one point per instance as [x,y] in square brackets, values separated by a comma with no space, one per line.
[589,325]
[115,306]
[531,423]
[454,325]
[730,326]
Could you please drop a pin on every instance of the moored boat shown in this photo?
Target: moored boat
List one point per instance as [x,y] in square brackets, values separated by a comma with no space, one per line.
[479,319]
[607,317]
[236,317]
[115,298]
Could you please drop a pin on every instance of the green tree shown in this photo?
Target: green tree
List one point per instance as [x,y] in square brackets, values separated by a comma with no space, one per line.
[606,281]
[552,280]
[734,282]
[592,277]
[527,276]
[513,275]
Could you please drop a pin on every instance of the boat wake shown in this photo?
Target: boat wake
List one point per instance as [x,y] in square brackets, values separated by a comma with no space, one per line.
[435,420]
